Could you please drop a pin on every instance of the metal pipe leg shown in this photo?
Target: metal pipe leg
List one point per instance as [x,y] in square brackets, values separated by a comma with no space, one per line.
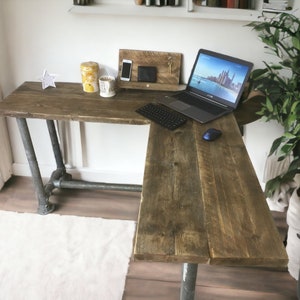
[60,173]
[80,184]
[55,144]
[188,282]
[44,206]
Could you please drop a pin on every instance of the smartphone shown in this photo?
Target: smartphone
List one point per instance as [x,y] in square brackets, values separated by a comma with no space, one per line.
[126,69]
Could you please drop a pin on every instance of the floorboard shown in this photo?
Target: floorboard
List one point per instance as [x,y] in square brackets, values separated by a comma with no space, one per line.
[151,280]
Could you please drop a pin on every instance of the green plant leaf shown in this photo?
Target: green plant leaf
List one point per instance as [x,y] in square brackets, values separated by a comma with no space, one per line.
[286,150]
[269,104]
[257,73]
[286,63]
[275,145]
[295,106]
[296,42]
[276,36]
[280,82]
[296,130]
[289,135]
[271,186]
[276,67]
[295,165]
[268,41]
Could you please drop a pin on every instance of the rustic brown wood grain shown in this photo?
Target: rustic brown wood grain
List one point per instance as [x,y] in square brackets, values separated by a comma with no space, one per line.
[201,201]
[68,102]
[239,225]
[247,110]
[168,66]
[171,220]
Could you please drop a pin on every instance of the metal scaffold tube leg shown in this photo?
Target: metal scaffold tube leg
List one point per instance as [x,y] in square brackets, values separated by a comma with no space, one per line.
[44,206]
[188,282]
[55,144]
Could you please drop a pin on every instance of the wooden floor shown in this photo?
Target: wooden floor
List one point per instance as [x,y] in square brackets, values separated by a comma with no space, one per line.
[150,280]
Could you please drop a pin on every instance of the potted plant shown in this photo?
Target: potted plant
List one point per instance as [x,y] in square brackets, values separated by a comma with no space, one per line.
[280,82]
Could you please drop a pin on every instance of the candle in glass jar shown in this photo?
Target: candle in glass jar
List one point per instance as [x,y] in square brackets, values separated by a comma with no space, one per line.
[89,76]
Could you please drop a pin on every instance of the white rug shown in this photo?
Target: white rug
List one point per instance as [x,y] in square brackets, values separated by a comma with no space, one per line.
[63,257]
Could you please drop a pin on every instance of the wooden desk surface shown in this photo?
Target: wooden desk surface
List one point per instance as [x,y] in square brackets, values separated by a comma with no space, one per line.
[68,102]
[201,201]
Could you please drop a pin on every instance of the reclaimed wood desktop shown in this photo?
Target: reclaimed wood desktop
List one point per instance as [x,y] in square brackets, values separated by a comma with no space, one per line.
[201,201]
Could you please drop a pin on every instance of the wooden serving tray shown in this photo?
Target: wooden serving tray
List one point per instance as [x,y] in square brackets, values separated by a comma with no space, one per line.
[168,66]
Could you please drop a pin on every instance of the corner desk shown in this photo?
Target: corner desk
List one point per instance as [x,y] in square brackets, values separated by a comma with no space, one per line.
[201,202]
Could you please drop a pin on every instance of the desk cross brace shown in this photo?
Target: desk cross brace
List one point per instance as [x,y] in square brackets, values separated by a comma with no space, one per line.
[59,178]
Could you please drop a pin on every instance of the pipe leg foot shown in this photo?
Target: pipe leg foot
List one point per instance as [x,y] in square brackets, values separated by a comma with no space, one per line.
[45,209]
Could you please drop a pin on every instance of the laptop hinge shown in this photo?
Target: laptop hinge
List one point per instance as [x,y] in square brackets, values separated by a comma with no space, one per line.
[209,100]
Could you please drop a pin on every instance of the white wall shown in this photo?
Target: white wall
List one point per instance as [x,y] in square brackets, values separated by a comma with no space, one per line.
[5,151]
[5,74]
[43,34]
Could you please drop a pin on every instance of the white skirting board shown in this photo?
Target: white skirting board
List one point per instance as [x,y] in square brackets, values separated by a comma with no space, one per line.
[85,174]
[5,154]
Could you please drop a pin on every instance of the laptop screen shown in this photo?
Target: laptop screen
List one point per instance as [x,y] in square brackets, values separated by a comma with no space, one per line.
[219,77]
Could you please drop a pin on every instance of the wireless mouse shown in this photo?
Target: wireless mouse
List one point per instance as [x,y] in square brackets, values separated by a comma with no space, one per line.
[211,134]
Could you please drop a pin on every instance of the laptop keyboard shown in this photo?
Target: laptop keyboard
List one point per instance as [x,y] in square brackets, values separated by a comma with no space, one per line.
[162,115]
[210,108]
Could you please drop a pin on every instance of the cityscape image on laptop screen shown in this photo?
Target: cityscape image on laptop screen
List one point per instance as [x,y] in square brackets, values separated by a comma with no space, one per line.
[218,77]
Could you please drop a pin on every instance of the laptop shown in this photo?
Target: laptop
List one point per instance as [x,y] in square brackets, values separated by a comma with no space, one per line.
[214,89]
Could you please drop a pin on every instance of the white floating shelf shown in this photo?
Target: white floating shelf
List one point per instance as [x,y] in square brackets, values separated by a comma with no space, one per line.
[197,12]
